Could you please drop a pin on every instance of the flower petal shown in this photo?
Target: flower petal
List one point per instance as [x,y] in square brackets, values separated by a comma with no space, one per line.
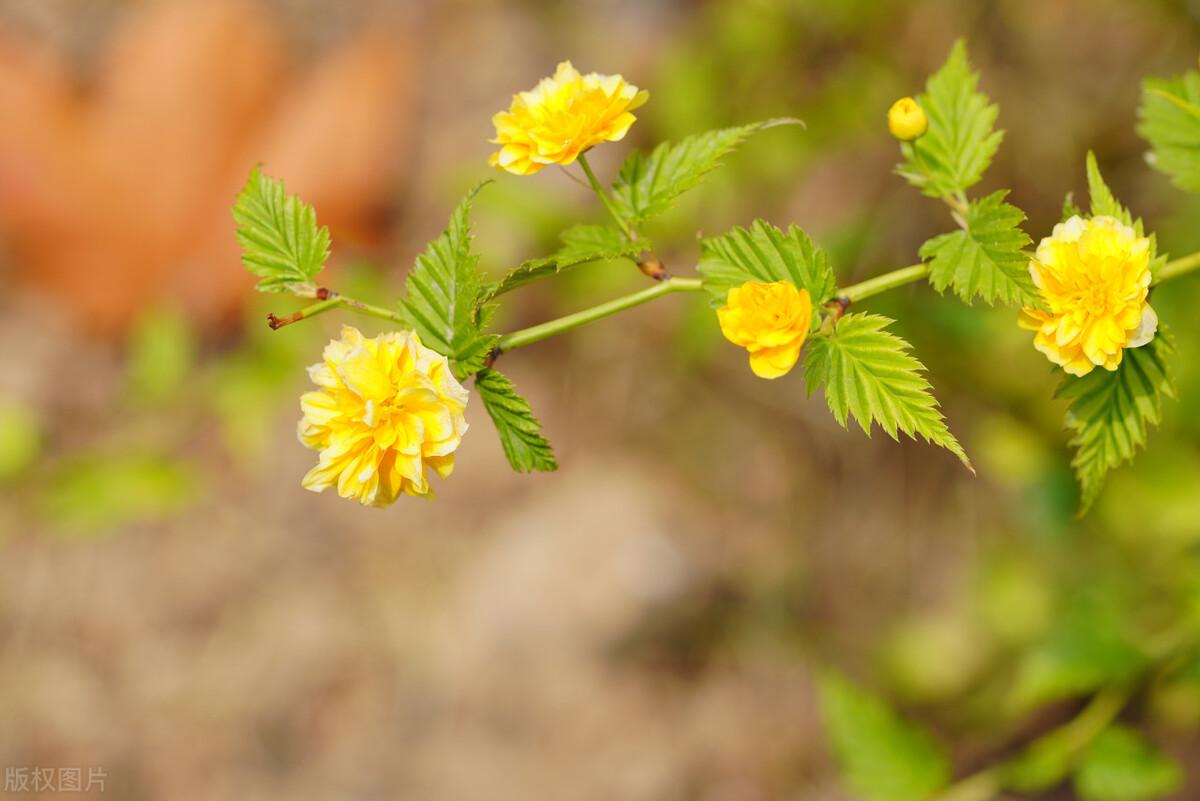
[1146,329]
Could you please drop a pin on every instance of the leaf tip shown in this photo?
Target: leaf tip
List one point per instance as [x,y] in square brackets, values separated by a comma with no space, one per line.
[778,122]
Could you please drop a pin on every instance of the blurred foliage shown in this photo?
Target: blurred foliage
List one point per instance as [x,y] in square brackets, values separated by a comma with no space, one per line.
[95,493]
[1041,610]
[1121,766]
[884,757]
[161,355]
[20,438]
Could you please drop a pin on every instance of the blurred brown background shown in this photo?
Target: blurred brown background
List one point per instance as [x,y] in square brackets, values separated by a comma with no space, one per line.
[642,624]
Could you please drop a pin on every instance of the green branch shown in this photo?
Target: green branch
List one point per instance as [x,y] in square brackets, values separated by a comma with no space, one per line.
[882,283]
[332,300]
[1178,267]
[907,275]
[528,336]
[308,311]
[1074,736]
[368,309]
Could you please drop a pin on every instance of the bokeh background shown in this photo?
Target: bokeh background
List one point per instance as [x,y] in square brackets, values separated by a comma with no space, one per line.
[646,623]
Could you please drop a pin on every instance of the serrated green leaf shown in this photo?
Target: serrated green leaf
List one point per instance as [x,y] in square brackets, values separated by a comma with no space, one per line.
[764,253]
[520,432]
[987,259]
[580,244]
[278,232]
[1110,412]
[1169,119]
[1105,204]
[443,292]
[882,757]
[869,374]
[648,185]
[960,143]
[1121,765]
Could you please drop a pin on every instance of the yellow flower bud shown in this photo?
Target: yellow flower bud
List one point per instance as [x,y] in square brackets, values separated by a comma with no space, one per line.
[387,411]
[906,120]
[771,321]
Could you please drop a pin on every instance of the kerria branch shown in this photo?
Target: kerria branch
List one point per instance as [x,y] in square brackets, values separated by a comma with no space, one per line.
[328,299]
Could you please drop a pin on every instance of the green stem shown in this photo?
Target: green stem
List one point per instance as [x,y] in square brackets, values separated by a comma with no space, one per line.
[332,300]
[368,309]
[1073,737]
[882,283]
[528,336]
[907,275]
[1178,267]
[1080,731]
[1076,734]
[308,311]
[981,786]
[599,190]
[958,208]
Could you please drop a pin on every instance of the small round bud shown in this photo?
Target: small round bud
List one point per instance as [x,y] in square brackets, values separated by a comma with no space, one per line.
[906,120]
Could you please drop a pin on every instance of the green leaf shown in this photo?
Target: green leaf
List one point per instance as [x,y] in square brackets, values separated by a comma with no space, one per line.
[89,495]
[764,253]
[648,185]
[1105,204]
[882,757]
[278,232]
[443,294]
[1121,765]
[580,244]
[987,259]
[1110,412]
[162,355]
[960,143]
[868,373]
[520,432]
[1042,765]
[1169,118]
[21,438]
[1087,650]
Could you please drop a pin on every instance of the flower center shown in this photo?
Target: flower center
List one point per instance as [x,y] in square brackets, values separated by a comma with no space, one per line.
[1097,300]
[374,413]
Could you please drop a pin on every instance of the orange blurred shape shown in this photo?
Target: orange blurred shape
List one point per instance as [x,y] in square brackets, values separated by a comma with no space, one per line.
[118,198]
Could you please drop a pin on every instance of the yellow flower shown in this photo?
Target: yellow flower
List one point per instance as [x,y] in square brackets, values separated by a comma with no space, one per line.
[562,117]
[1094,276]
[387,408]
[769,320]
[906,120]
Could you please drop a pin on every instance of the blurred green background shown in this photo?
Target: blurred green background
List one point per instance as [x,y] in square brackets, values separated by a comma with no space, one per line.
[647,622]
